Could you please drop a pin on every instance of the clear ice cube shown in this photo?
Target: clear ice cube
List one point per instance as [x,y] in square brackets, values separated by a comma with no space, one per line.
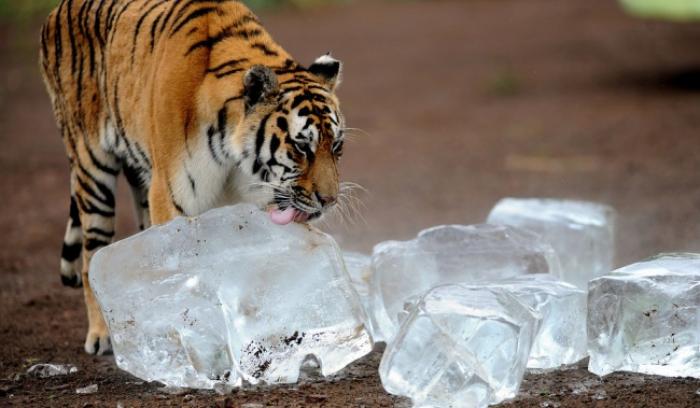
[228,298]
[561,338]
[449,254]
[461,346]
[645,318]
[581,232]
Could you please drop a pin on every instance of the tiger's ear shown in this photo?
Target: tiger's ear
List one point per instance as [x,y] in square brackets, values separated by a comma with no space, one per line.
[259,85]
[328,69]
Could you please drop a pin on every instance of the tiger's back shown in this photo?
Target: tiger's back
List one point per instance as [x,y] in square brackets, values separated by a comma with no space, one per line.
[180,96]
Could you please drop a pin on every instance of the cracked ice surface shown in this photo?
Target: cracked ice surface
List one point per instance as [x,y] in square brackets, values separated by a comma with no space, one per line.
[461,346]
[581,232]
[561,338]
[229,298]
[645,318]
[449,254]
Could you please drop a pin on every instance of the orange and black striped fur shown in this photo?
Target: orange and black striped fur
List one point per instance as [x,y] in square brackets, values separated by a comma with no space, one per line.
[196,104]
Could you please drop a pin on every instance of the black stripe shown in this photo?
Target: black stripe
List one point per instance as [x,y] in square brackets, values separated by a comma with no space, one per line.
[44,45]
[308,123]
[153,30]
[256,165]
[139,23]
[318,87]
[71,36]
[274,145]
[102,167]
[226,73]
[233,98]
[170,12]
[226,32]
[265,49]
[74,213]
[299,99]
[291,88]
[92,244]
[222,118]
[304,111]
[87,189]
[173,201]
[117,16]
[83,16]
[133,176]
[193,186]
[108,20]
[71,252]
[88,208]
[228,64]
[294,70]
[143,155]
[79,87]
[58,41]
[100,231]
[310,155]
[98,18]
[195,14]
[105,196]
[260,136]
[282,123]
[210,140]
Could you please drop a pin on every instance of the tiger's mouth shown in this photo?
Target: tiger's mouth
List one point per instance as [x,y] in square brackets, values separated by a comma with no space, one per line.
[291,214]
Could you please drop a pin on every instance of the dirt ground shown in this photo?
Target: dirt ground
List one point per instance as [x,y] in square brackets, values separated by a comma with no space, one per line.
[460,103]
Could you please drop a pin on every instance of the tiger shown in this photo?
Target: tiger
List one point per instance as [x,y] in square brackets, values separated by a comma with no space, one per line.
[198,107]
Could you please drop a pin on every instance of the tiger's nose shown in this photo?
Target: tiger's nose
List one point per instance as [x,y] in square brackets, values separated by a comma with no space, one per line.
[326,200]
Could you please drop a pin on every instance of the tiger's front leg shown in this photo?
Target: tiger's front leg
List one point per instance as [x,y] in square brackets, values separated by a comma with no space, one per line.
[162,204]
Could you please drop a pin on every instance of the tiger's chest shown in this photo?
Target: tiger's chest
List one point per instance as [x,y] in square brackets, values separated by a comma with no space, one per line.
[201,179]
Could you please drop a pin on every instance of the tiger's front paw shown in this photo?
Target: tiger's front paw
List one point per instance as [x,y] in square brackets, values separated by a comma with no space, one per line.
[97,341]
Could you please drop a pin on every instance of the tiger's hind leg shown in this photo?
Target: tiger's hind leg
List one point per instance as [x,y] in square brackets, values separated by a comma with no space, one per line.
[72,247]
[95,181]
[139,192]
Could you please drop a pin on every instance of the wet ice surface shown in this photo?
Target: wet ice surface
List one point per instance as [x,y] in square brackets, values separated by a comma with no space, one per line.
[403,270]
[561,338]
[461,346]
[358,266]
[645,318]
[581,232]
[228,298]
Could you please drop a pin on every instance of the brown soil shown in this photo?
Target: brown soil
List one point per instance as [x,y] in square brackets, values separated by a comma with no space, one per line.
[461,103]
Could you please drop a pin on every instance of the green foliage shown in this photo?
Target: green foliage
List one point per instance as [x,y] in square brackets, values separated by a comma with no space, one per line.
[21,11]
[678,10]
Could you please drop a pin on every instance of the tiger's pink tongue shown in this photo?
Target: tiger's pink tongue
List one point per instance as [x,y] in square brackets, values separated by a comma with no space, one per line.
[283,217]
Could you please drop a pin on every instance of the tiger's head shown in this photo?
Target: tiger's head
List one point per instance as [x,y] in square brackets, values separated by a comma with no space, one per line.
[292,134]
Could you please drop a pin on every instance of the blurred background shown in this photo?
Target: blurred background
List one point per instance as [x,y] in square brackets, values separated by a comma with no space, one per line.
[456,104]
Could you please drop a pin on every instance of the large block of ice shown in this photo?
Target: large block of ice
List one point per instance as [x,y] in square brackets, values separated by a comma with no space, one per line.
[581,232]
[645,318]
[461,346]
[228,297]
[561,338]
[449,254]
